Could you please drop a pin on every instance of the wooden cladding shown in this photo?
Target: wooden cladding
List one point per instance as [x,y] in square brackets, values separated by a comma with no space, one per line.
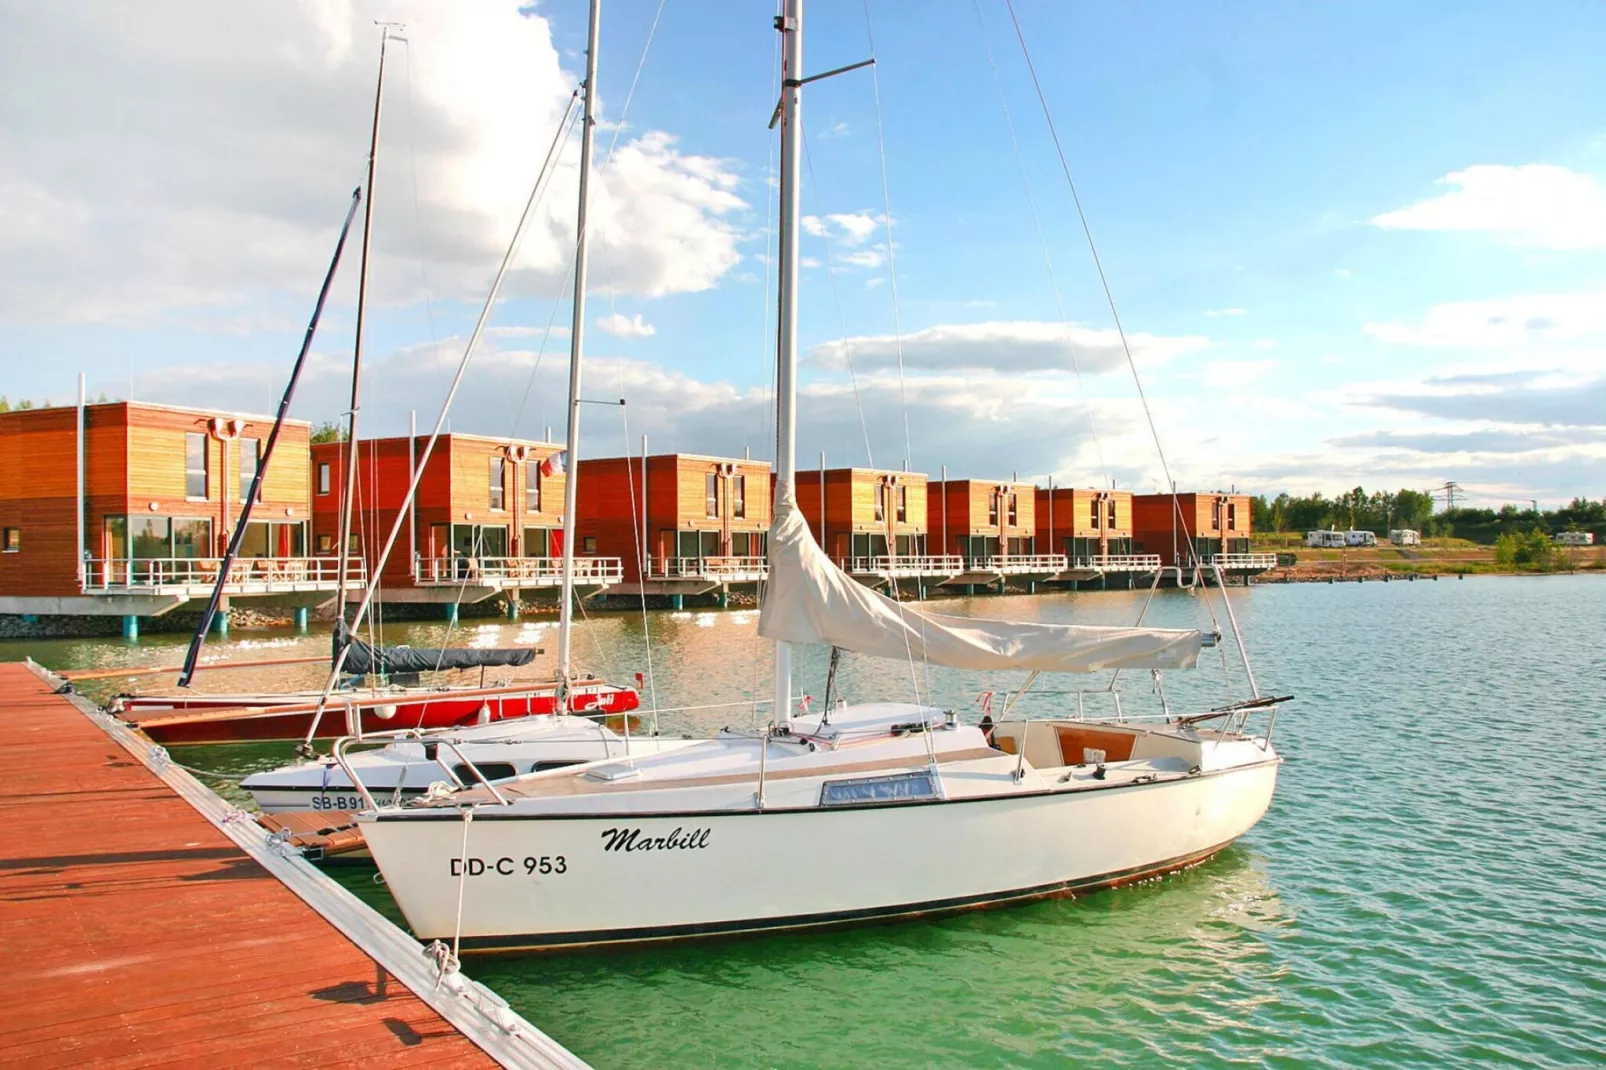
[1168,524]
[978,507]
[1078,513]
[862,501]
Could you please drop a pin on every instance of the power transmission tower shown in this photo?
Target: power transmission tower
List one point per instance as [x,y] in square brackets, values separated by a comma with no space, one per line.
[1450,489]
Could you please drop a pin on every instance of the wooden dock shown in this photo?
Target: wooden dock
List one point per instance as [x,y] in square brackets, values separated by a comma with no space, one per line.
[139,929]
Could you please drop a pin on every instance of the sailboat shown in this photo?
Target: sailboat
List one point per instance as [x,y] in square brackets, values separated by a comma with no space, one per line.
[382,706]
[853,813]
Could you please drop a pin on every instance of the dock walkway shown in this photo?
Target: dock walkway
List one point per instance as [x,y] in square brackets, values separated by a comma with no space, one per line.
[135,930]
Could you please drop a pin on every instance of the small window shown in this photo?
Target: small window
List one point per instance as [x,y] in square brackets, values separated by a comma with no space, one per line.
[903,505]
[323,477]
[880,502]
[900,787]
[498,482]
[1014,510]
[1111,524]
[711,494]
[541,767]
[739,497]
[1232,516]
[250,461]
[195,465]
[353,543]
[588,544]
[326,544]
[489,770]
[13,540]
[992,509]
[532,487]
[1093,512]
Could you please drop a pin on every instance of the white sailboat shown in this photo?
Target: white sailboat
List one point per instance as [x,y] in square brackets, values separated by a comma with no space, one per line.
[871,811]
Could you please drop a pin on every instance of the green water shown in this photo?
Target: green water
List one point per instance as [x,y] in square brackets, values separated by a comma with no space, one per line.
[1427,888]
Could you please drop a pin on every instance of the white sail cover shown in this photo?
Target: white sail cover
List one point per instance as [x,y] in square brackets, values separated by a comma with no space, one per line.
[810,600]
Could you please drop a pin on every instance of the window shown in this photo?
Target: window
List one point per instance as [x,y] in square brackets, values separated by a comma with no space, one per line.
[323,477]
[1014,510]
[992,509]
[1093,512]
[195,464]
[532,487]
[13,540]
[489,770]
[353,543]
[900,787]
[536,541]
[903,505]
[192,537]
[711,494]
[498,483]
[739,496]
[588,544]
[880,502]
[1111,524]
[250,461]
[326,544]
[1232,516]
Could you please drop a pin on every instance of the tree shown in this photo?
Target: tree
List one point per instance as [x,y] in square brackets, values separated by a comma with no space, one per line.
[329,431]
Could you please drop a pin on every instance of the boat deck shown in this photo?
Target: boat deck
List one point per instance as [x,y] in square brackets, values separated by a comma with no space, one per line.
[135,932]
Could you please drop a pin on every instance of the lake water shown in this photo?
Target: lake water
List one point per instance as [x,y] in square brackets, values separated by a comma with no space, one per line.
[1429,886]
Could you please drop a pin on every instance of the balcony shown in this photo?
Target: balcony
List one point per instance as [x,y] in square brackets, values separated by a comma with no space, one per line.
[513,573]
[1021,564]
[195,577]
[904,567]
[1117,563]
[710,569]
[1244,562]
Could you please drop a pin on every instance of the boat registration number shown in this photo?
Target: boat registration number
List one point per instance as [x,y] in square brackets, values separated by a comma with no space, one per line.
[529,865]
[337,802]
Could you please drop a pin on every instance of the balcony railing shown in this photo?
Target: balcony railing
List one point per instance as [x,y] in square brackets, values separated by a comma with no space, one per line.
[1020,564]
[1118,563]
[513,571]
[1244,562]
[715,569]
[899,565]
[193,575]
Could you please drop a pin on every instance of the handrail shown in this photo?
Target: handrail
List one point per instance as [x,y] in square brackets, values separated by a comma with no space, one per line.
[703,568]
[456,570]
[1118,562]
[101,574]
[338,751]
[1023,563]
[1245,561]
[917,564]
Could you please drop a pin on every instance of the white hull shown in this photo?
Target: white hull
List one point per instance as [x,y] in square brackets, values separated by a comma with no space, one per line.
[552,881]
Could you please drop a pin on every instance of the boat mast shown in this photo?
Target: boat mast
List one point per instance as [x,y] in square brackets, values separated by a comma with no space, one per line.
[349,495]
[790,24]
[577,330]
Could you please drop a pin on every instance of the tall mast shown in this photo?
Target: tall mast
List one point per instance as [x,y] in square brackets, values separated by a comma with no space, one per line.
[577,332]
[349,496]
[791,26]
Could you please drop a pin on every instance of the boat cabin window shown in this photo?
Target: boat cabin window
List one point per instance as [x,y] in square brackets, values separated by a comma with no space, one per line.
[541,767]
[489,770]
[900,787]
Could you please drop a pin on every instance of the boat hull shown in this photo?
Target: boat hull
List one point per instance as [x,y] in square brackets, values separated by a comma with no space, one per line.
[549,882]
[387,713]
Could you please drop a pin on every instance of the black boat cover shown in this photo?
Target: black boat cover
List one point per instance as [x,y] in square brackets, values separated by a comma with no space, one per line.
[366,658]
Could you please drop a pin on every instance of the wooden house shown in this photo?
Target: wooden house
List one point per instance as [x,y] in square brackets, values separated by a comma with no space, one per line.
[1185,529]
[991,524]
[681,523]
[872,522]
[1092,528]
[487,518]
[144,528]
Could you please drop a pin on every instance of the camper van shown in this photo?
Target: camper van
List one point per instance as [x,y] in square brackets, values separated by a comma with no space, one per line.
[1327,539]
[1575,538]
[1360,538]
[1405,537]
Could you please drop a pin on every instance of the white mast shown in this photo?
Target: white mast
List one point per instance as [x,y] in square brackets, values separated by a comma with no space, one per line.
[577,332]
[791,26]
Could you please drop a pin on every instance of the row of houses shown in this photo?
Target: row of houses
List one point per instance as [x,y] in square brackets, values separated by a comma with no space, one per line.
[126,508]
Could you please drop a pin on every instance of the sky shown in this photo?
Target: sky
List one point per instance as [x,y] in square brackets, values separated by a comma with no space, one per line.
[1345,244]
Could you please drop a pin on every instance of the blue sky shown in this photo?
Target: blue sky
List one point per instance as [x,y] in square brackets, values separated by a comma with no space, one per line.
[1354,244]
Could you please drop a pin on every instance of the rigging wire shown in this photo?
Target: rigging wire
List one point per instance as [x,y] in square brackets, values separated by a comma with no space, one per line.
[886,220]
[1042,238]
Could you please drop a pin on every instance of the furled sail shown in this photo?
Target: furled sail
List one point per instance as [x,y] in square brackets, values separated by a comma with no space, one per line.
[368,658]
[810,600]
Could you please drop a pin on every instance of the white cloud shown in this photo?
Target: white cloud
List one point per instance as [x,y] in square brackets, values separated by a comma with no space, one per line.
[617,323]
[855,227]
[1006,346]
[1214,312]
[863,258]
[124,197]
[1525,320]
[813,224]
[1540,205]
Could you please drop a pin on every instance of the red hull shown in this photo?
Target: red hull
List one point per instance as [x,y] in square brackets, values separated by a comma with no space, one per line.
[443,710]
